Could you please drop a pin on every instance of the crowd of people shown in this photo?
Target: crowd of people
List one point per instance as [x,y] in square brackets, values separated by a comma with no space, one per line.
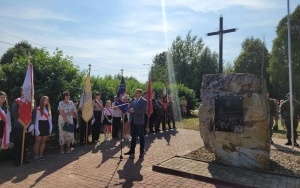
[280,109]
[107,119]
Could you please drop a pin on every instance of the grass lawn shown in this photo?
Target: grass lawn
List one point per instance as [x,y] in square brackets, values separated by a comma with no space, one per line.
[192,122]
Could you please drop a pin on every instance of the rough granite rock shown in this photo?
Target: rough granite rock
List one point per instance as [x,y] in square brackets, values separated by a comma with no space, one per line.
[250,148]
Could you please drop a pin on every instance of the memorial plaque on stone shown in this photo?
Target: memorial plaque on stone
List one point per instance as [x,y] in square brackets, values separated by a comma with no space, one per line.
[229,114]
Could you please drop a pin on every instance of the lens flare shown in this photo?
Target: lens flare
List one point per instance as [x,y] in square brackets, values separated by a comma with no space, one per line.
[170,67]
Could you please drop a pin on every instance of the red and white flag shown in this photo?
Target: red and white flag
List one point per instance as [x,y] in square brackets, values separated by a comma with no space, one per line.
[165,97]
[26,101]
[149,110]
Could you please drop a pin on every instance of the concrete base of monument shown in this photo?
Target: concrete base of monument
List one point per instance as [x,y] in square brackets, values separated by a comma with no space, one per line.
[233,119]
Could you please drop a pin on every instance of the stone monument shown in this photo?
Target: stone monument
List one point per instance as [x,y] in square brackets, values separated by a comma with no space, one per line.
[233,119]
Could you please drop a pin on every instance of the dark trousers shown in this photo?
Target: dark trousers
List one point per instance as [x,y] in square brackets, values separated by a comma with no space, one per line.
[116,126]
[18,139]
[145,124]
[171,118]
[75,127]
[83,130]
[137,131]
[96,126]
[158,120]
[271,125]
[152,122]
[288,129]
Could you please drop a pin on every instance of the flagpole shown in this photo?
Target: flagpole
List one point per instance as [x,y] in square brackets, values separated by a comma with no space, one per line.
[87,123]
[290,74]
[148,128]
[121,156]
[24,127]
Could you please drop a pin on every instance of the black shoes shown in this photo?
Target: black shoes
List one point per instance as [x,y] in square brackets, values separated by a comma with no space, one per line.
[129,153]
[288,143]
[142,155]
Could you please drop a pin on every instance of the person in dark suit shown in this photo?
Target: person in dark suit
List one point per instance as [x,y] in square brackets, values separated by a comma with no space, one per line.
[137,111]
[17,130]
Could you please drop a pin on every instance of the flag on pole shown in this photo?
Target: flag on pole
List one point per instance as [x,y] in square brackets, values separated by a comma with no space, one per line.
[26,101]
[122,89]
[165,97]
[121,92]
[149,110]
[86,100]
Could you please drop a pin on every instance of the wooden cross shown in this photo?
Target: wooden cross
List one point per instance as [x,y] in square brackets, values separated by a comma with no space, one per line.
[220,33]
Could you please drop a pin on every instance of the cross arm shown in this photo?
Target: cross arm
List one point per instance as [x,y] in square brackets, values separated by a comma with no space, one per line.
[213,33]
[229,30]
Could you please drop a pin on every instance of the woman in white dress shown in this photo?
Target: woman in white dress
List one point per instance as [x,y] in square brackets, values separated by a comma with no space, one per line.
[66,110]
[43,127]
[5,122]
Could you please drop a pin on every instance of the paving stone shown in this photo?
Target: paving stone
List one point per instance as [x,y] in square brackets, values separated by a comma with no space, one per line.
[92,166]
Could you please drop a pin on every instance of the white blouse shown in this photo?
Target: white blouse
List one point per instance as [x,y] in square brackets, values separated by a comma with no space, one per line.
[46,116]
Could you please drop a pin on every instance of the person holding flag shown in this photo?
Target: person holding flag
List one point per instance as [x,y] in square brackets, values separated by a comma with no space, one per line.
[5,121]
[97,110]
[23,115]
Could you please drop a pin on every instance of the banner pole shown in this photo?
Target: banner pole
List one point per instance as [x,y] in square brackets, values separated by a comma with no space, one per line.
[23,145]
[148,126]
[86,133]
[121,156]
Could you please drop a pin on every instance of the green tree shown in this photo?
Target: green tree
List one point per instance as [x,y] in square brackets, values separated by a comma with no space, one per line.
[159,67]
[279,56]
[20,49]
[190,59]
[253,57]
[53,74]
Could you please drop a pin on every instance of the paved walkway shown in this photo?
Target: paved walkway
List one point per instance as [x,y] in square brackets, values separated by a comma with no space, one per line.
[92,166]
[231,176]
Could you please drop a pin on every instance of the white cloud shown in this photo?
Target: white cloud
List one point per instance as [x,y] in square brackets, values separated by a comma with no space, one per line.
[215,5]
[32,13]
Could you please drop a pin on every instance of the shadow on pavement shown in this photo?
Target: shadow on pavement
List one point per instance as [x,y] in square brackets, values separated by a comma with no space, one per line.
[284,148]
[131,172]
[18,174]
[109,150]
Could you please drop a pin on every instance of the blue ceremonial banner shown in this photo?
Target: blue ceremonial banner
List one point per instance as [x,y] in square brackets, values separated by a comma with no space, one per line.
[121,91]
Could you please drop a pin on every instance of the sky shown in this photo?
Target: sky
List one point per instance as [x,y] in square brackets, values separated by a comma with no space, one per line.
[119,34]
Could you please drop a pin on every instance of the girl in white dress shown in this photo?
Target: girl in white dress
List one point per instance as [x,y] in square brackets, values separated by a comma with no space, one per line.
[107,120]
[5,122]
[43,127]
